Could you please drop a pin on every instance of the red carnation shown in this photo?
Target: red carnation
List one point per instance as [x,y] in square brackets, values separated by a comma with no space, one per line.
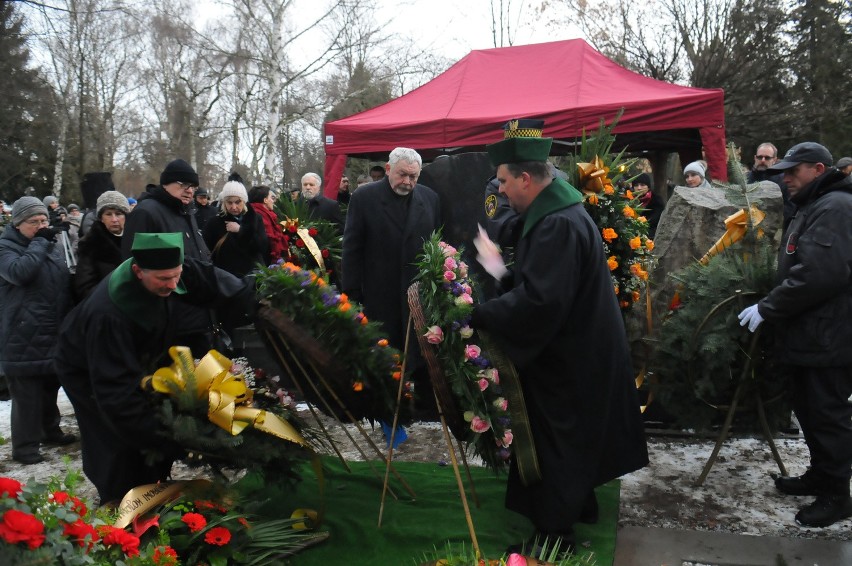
[78,506]
[300,243]
[325,253]
[113,536]
[10,488]
[78,531]
[61,497]
[194,521]
[218,536]
[18,526]
[312,232]
[165,556]
[292,228]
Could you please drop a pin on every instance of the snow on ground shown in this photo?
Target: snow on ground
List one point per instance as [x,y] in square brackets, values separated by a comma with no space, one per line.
[737,497]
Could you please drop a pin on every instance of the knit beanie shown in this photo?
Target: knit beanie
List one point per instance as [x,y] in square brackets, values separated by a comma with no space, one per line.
[26,207]
[642,179]
[696,167]
[179,171]
[112,199]
[49,199]
[233,189]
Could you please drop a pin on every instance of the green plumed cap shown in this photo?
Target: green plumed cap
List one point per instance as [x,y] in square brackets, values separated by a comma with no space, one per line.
[522,142]
[158,250]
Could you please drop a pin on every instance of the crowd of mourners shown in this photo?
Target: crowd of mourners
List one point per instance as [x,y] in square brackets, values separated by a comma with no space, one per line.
[90,300]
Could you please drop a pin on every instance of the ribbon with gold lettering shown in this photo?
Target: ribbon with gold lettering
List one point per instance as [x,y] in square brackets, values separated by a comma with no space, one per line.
[143,498]
[312,246]
[229,399]
[593,177]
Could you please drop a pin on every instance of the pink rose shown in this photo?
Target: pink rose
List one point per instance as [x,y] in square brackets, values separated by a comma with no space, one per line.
[501,403]
[462,269]
[467,289]
[471,352]
[463,299]
[450,263]
[479,425]
[508,437]
[449,276]
[483,384]
[466,332]
[434,335]
[449,250]
[516,560]
[493,375]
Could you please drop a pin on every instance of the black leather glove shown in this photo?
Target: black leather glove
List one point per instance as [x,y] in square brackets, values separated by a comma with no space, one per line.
[48,234]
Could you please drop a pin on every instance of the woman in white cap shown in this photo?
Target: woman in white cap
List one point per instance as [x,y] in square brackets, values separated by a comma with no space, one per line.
[99,252]
[34,298]
[236,235]
[695,175]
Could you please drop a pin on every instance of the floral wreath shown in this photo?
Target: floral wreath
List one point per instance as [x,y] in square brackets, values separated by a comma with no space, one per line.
[312,243]
[372,366]
[446,294]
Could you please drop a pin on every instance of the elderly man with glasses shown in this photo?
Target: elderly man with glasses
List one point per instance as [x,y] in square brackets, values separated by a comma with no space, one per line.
[765,157]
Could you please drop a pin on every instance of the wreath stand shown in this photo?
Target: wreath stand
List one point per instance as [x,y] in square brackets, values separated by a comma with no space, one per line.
[745,389]
[284,337]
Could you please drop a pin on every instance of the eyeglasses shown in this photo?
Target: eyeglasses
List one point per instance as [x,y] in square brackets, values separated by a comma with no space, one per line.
[763,157]
[186,185]
[34,222]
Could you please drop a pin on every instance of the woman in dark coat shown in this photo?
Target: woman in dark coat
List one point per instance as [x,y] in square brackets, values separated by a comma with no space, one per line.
[34,298]
[236,236]
[99,252]
[652,204]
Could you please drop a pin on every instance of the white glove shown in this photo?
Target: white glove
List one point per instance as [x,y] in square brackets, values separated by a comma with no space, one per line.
[489,255]
[751,317]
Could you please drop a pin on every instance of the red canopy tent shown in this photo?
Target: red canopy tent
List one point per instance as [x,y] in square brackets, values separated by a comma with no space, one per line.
[567,83]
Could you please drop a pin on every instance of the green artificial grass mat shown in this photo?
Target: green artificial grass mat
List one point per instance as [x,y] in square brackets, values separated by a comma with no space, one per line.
[413,529]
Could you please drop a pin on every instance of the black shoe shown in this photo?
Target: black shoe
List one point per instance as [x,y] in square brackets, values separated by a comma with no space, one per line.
[28,459]
[60,439]
[799,485]
[825,510]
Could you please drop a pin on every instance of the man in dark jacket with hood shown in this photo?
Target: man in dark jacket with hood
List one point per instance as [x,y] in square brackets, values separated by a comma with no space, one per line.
[810,310]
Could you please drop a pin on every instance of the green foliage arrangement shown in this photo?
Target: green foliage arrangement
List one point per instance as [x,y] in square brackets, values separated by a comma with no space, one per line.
[598,172]
[446,295]
[702,349]
[369,380]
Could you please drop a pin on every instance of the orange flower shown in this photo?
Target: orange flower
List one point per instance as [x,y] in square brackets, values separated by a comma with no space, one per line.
[593,199]
[629,212]
[320,282]
[609,235]
[344,306]
[649,244]
[612,263]
[357,386]
[635,243]
[608,189]
[636,296]
[628,195]
[364,321]
[344,298]
[635,268]
[642,219]
[624,304]
[383,343]
[616,290]
[397,375]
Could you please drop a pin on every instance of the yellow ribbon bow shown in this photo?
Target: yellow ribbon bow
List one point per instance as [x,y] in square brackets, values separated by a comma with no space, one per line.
[593,177]
[736,225]
[228,396]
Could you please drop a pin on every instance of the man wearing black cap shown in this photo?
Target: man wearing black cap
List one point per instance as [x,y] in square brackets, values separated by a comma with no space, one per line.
[810,311]
[560,324]
[119,334]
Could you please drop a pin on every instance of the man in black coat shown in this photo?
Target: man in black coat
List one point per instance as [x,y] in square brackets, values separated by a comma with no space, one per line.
[204,211]
[113,339]
[560,324]
[810,310]
[320,206]
[765,157]
[387,223]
